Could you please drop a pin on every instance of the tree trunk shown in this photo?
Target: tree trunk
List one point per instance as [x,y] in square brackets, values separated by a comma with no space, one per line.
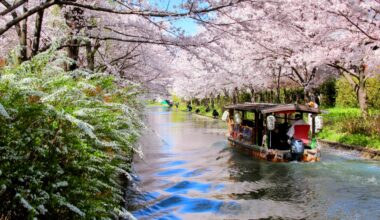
[298,98]
[272,96]
[235,97]
[360,89]
[90,54]
[37,32]
[306,95]
[253,94]
[73,53]
[362,95]
[278,91]
[74,20]
[90,57]
[23,37]
[234,101]
[286,98]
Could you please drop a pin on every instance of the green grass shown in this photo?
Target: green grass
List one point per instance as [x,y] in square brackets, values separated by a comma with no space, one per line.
[202,109]
[338,123]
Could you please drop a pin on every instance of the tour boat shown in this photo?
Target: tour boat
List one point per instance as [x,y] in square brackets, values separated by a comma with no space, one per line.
[261,130]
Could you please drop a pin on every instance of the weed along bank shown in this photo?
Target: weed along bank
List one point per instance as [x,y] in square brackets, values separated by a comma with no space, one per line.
[274,132]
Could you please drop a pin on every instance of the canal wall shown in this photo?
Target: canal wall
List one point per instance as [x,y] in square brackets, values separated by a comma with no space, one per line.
[364,152]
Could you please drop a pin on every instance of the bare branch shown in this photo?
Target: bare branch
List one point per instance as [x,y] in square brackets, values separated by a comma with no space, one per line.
[25,15]
[9,7]
[150,12]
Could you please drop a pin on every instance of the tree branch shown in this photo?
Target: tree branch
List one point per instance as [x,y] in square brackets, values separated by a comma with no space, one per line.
[347,75]
[14,16]
[357,26]
[37,32]
[25,15]
[10,8]
[149,12]
[299,76]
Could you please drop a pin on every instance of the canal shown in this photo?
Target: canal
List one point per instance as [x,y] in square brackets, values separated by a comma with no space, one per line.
[188,171]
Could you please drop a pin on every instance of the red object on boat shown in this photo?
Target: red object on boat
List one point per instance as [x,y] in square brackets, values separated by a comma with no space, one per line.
[301,132]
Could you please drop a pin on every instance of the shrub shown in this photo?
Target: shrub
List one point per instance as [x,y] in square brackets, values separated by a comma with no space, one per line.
[346,96]
[65,141]
[345,125]
[356,126]
[328,93]
[373,91]
[245,97]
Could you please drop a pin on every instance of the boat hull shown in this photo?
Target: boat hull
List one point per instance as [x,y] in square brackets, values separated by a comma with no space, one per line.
[273,155]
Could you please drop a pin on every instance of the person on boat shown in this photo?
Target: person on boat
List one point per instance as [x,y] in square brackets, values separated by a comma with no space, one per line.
[298,121]
[312,104]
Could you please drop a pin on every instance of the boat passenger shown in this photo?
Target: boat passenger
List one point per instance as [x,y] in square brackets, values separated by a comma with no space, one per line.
[298,121]
[312,104]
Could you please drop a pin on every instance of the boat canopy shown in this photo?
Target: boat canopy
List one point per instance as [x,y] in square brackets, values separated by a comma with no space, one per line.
[267,108]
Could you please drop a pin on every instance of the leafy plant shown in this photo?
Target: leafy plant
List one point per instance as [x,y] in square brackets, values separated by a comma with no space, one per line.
[346,96]
[66,141]
[328,92]
[345,125]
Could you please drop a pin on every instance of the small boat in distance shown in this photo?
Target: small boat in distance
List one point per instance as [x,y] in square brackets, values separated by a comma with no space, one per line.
[274,132]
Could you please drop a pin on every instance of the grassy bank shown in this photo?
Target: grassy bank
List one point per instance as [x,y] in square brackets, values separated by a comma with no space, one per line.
[202,109]
[344,125]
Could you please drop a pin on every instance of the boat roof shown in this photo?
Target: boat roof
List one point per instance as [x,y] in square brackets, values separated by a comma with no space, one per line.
[266,108]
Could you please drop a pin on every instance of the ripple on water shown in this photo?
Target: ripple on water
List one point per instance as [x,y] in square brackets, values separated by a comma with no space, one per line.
[171,172]
[184,186]
[174,163]
[196,172]
[151,196]
[183,205]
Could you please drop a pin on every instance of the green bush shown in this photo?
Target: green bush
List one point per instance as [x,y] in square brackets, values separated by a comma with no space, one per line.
[345,125]
[355,126]
[65,141]
[245,97]
[328,93]
[346,96]
[373,91]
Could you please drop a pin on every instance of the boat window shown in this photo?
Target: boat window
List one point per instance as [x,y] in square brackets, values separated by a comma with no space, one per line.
[249,116]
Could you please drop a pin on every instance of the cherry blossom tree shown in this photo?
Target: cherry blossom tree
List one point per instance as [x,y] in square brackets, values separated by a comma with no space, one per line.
[297,39]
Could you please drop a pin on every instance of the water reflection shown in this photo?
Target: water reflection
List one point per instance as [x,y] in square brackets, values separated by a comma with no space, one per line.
[189,172]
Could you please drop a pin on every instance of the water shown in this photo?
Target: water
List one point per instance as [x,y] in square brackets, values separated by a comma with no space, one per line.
[189,172]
